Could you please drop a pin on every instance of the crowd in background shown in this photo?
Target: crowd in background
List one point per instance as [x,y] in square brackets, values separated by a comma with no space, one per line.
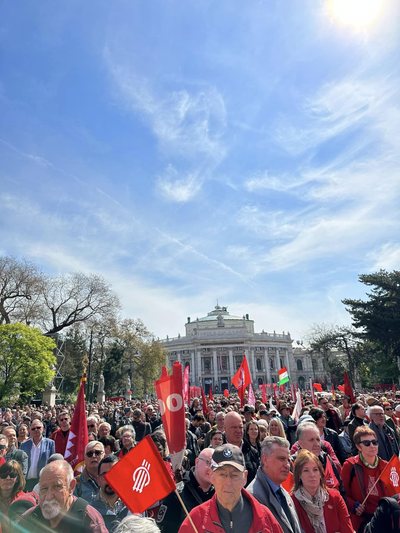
[334,454]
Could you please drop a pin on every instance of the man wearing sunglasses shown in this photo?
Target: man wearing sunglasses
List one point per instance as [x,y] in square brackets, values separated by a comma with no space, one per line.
[88,482]
[387,442]
[60,435]
[38,450]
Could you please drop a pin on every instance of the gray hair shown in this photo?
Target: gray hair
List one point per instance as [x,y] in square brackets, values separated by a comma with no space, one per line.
[137,524]
[268,444]
[59,464]
[129,428]
[94,443]
[303,427]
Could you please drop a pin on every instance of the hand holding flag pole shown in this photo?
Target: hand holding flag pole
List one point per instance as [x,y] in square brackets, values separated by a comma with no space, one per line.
[379,477]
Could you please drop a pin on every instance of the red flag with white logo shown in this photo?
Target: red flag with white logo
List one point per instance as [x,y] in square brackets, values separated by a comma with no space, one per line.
[242,379]
[78,432]
[170,399]
[391,476]
[141,478]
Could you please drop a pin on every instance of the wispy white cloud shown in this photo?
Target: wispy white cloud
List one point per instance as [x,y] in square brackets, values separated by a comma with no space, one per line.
[386,257]
[178,188]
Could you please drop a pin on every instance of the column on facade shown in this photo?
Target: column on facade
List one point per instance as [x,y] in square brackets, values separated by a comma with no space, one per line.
[178,358]
[192,368]
[277,360]
[252,365]
[199,372]
[287,361]
[231,371]
[267,366]
[215,368]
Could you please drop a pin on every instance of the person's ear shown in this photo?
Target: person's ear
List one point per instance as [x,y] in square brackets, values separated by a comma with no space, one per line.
[245,477]
[72,485]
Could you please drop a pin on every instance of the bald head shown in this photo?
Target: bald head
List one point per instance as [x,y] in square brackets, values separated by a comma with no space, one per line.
[234,428]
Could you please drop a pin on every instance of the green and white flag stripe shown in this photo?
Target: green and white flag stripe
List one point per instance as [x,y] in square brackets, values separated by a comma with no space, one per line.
[283,376]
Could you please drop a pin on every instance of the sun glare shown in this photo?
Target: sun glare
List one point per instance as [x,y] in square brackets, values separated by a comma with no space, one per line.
[359,14]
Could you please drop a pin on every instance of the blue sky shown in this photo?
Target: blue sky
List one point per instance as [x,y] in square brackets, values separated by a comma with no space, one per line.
[194,151]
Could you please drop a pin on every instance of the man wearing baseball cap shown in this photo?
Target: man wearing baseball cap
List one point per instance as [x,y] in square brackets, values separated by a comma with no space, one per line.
[232,508]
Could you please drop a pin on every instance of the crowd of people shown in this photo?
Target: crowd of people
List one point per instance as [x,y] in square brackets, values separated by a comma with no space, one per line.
[245,469]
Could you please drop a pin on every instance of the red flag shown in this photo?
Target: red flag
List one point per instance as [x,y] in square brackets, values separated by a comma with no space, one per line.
[226,393]
[317,387]
[186,377]
[288,484]
[391,476]
[252,398]
[210,395]
[169,395]
[330,478]
[204,402]
[242,379]
[141,478]
[78,432]
[348,389]
[341,388]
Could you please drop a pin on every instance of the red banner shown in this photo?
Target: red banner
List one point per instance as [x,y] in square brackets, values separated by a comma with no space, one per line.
[172,409]
[348,389]
[242,379]
[263,389]
[204,402]
[78,432]
[141,478]
[317,387]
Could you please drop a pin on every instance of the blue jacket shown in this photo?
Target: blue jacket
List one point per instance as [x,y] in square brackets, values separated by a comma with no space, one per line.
[47,448]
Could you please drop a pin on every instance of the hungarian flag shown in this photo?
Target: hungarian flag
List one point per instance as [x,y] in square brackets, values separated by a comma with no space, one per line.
[141,478]
[348,389]
[283,376]
[242,379]
[317,387]
[170,399]
[391,476]
[78,432]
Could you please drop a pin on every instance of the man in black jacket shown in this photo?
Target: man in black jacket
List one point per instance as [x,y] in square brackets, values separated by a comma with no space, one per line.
[196,489]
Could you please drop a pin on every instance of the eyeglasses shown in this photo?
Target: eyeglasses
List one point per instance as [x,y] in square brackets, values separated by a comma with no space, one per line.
[368,443]
[63,419]
[91,426]
[91,453]
[2,447]
[36,429]
[207,461]
[11,475]
[388,408]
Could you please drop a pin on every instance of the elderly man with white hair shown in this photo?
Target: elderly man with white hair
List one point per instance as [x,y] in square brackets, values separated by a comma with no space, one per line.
[87,483]
[58,508]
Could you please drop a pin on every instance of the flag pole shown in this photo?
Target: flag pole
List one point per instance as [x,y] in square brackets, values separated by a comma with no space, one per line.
[186,511]
[374,485]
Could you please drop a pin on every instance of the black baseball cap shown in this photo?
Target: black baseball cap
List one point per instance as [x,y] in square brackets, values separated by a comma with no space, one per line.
[228,455]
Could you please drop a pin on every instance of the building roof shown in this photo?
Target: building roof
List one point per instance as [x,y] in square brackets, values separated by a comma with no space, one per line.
[219,311]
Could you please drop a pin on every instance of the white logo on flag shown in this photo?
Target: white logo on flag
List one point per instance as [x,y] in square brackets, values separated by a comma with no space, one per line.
[394,477]
[141,477]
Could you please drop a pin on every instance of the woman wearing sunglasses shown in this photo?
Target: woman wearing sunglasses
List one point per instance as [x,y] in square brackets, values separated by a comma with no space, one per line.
[12,484]
[360,474]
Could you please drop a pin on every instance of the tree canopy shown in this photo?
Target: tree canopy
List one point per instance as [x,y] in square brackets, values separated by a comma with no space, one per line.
[26,360]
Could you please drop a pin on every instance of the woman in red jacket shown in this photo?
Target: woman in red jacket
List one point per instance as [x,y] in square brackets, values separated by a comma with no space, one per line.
[360,475]
[320,510]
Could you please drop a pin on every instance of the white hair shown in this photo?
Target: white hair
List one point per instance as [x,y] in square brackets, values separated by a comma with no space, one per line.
[59,464]
[137,524]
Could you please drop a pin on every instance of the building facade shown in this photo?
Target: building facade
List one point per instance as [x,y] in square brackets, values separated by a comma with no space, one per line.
[214,346]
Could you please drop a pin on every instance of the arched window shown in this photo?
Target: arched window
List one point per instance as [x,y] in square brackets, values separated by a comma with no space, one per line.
[258,364]
[299,364]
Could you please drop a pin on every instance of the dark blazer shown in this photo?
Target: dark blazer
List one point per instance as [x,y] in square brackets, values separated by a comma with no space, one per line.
[262,491]
[47,448]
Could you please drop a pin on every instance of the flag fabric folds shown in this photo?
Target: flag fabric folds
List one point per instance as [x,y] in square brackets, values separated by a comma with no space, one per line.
[317,387]
[348,389]
[169,390]
[251,398]
[297,407]
[283,376]
[204,402]
[242,379]
[141,478]
[186,384]
[391,476]
[78,433]
[263,389]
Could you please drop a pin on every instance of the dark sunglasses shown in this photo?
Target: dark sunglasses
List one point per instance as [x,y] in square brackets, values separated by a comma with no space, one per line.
[91,453]
[37,428]
[368,443]
[64,419]
[11,475]
[388,408]
[91,426]
[2,447]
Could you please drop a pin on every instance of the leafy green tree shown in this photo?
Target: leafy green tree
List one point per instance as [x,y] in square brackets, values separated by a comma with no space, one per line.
[378,317]
[73,348]
[26,360]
